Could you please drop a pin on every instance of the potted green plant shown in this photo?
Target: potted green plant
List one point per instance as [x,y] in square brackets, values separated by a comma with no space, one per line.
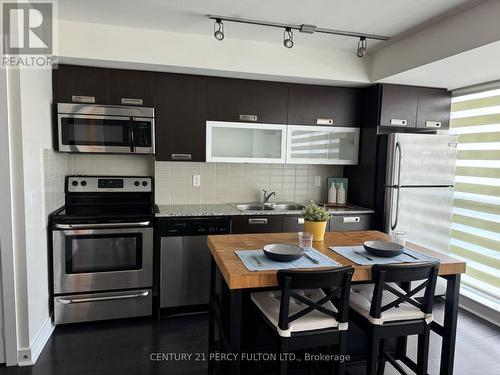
[315,220]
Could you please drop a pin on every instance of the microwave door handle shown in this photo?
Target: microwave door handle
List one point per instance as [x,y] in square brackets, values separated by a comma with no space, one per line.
[131,135]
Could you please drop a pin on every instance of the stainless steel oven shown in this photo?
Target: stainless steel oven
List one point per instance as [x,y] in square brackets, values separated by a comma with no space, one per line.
[102,249]
[105,129]
[100,257]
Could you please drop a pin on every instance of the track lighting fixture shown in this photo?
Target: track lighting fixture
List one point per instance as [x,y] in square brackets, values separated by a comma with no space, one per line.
[288,38]
[362,47]
[304,28]
[218,29]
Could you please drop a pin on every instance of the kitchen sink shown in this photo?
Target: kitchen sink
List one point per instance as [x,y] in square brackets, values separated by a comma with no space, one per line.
[269,207]
[287,206]
[253,207]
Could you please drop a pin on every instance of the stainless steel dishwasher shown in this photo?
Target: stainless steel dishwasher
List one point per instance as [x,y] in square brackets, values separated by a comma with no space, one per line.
[185,259]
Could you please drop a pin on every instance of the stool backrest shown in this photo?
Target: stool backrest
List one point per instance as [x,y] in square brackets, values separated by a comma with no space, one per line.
[336,281]
[405,273]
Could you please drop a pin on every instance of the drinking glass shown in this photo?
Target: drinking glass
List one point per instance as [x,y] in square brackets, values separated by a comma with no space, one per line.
[399,237]
[305,240]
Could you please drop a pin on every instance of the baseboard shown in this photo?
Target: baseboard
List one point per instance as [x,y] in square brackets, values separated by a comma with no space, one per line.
[481,310]
[28,356]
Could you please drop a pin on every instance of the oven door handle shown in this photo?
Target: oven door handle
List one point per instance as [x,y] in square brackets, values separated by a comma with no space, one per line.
[67,301]
[103,225]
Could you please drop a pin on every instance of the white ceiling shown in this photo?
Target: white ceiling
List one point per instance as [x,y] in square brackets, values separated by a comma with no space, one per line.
[395,18]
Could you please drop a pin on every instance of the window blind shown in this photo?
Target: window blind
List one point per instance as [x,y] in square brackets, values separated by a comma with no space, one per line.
[475,230]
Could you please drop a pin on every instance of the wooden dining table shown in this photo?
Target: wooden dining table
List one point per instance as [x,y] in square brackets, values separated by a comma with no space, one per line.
[238,280]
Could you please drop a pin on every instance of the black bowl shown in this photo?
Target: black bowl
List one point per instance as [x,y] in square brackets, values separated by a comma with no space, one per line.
[281,252]
[383,249]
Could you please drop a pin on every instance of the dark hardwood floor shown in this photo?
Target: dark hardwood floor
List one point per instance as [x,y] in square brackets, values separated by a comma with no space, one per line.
[124,347]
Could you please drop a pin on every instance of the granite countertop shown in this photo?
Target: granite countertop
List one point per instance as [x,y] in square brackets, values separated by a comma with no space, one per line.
[227,209]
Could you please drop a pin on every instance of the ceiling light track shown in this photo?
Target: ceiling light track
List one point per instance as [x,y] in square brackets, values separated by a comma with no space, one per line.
[309,29]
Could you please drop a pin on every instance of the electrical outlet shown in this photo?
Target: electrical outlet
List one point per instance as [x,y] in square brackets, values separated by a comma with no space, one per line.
[196,180]
[317,180]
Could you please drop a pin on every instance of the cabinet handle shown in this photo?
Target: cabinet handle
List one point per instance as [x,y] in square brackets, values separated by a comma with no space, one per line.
[131,101]
[433,124]
[83,99]
[248,118]
[324,121]
[257,221]
[398,122]
[300,220]
[350,219]
[181,156]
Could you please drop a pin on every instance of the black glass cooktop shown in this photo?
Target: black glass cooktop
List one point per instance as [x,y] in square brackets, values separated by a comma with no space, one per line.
[94,213]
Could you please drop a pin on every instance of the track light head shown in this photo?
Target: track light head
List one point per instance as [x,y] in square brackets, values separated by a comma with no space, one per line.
[219,30]
[288,38]
[362,47]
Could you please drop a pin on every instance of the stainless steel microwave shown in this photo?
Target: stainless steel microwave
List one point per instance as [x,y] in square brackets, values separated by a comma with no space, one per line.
[105,129]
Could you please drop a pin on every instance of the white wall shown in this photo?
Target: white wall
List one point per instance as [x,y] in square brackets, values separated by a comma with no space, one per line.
[17,204]
[118,46]
[8,347]
[29,108]
[36,102]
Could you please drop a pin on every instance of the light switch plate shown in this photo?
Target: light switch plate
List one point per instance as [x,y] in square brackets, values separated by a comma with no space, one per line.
[196,180]
[317,180]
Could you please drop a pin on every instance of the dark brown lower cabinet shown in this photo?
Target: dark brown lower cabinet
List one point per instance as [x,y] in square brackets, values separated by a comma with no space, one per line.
[257,224]
[293,224]
[285,223]
[344,223]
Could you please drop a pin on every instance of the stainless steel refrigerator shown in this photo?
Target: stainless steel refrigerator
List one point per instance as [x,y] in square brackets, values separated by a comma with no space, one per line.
[419,182]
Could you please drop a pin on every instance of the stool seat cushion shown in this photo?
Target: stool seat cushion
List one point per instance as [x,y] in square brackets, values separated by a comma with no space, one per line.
[361,298]
[268,303]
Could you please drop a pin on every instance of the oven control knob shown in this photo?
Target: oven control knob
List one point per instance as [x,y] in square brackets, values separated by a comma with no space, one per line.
[74,183]
[84,183]
[144,183]
[136,183]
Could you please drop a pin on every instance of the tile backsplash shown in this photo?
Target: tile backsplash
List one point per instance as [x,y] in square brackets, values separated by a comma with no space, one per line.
[59,164]
[220,182]
[239,182]
[55,168]
[113,165]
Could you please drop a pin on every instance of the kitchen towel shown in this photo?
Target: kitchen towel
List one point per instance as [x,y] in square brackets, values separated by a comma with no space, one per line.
[248,259]
[359,255]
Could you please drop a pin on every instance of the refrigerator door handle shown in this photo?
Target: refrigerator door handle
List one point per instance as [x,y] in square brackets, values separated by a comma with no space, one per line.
[398,153]
[394,223]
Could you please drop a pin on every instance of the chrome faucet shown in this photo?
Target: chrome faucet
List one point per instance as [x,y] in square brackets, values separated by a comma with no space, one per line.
[266,197]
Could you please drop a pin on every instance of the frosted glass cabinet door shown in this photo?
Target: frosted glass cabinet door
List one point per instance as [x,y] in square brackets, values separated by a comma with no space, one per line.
[237,142]
[322,145]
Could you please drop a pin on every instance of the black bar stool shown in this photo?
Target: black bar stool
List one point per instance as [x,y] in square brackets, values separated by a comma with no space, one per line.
[385,310]
[303,315]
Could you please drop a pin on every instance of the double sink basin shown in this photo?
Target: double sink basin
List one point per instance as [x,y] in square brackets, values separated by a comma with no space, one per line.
[269,207]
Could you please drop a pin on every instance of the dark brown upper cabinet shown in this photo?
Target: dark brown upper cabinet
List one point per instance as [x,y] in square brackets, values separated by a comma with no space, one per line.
[247,101]
[407,107]
[433,108]
[131,87]
[398,106]
[80,84]
[324,105]
[180,117]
